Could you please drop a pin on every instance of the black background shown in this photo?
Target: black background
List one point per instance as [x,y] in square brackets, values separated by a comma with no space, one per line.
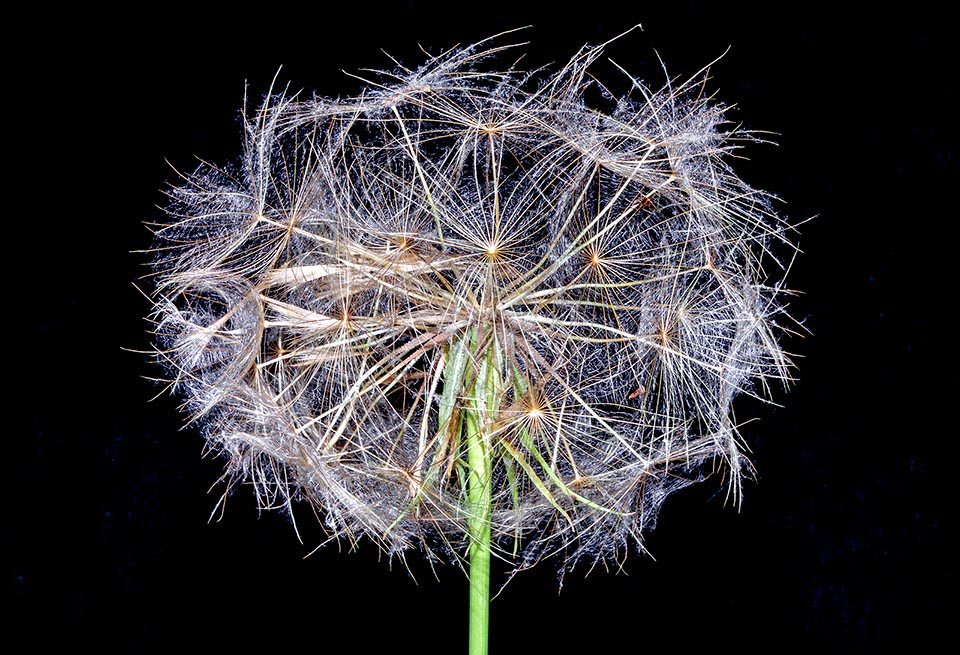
[840,545]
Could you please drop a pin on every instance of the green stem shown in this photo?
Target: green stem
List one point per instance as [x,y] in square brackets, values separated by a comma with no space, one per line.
[478,494]
[482,404]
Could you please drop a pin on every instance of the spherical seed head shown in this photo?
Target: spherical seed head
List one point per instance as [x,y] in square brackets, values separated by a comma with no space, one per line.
[593,287]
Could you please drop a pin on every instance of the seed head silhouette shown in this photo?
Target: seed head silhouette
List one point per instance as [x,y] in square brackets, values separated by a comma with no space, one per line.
[467,306]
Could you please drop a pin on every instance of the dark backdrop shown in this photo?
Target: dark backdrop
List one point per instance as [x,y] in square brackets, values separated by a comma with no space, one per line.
[841,544]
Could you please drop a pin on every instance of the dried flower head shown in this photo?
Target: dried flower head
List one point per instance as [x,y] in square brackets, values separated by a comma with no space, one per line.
[468,300]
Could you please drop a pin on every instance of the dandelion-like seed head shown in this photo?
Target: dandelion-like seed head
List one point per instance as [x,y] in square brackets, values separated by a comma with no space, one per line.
[467,293]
